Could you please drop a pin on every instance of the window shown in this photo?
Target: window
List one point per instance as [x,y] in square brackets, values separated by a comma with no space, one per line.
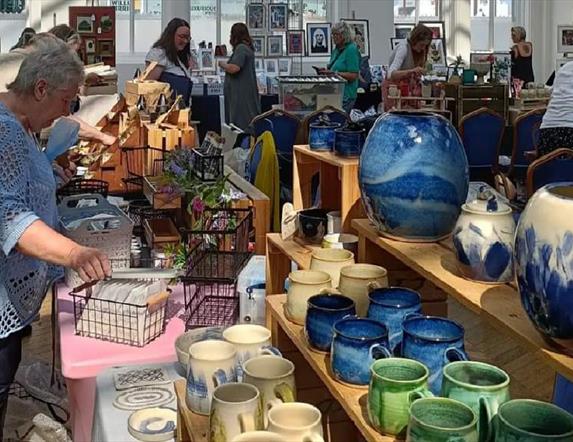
[204,21]
[491,25]
[412,11]
[146,24]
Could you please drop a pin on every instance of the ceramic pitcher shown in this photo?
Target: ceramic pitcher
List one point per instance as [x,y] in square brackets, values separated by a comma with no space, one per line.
[441,420]
[357,280]
[391,306]
[302,285]
[331,261]
[323,311]
[274,377]
[434,342]
[236,409]
[211,363]
[249,340]
[394,385]
[296,421]
[357,343]
[532,421]
[482,387]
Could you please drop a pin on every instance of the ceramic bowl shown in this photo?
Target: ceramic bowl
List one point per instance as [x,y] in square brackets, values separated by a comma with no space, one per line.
[341,241]
[153,424]
[184,341]
[312,224]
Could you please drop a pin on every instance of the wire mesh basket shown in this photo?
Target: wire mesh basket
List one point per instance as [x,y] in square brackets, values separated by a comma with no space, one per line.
[208,163]
[140,162]
[80,186]
[210,303]
[140,210]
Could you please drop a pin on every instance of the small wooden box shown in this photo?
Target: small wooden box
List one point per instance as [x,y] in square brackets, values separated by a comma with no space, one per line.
[150,89]
[159,200]
[160,231]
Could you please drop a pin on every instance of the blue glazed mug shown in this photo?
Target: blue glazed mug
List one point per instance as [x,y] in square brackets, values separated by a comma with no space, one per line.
[390,306]
[348,143]
[357,343]
[321,135]
[434,342]
[322,312]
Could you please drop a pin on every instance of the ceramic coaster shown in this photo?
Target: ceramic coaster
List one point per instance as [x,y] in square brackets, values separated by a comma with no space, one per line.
[140,377]
[153,424]
[143,397]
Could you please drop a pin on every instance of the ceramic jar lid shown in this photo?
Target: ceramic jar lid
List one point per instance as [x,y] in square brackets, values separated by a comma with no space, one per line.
[487,203]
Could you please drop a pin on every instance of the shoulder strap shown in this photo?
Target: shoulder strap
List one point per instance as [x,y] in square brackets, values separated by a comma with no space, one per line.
[185,69]
[329,66]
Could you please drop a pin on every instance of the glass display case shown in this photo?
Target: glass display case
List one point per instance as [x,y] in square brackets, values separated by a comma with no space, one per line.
[304,94]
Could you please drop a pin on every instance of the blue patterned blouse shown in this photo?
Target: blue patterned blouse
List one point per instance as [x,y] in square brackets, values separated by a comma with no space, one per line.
[27,193]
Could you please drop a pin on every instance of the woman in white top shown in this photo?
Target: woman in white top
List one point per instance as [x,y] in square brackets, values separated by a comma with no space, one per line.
[407,61]
[557,126]
[172,54]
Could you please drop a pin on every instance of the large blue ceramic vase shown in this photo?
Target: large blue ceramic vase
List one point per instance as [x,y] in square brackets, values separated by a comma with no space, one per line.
[413,176]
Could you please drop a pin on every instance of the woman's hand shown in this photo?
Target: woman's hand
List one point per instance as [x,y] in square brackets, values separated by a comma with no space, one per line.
[418,70]
[325,71]
[107,139]
[91,264]
[222,64]
[65,173]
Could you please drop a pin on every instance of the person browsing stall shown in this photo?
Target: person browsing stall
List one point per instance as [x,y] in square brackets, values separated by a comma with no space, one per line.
[241,91]
[345,62]
[172,54]
[31,250]
[521,57]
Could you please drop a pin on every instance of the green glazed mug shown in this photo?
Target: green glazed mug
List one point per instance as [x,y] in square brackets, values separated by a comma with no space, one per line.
[394,385]
[441,420]
[533,421]
[482,387]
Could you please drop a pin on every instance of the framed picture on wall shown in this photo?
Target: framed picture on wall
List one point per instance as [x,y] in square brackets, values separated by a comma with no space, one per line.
[271,66]
[105,48]
[295,42]
[361,35]
[284,66]
[318,39]
[85,25]
[274,45]
[437,28]
[259,45]
[90,46]
[278,17]
[256,16]
[259,64]
[402,31]
[394,42]
[106,23]
[437,51]
[565,38]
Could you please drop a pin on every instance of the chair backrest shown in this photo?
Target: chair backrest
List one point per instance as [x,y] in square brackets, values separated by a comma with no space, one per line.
[554,167]
[525,132]
[481,132]
[335,115]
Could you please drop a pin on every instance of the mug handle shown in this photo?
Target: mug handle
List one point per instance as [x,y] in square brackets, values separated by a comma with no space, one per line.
[378,351]
[239,372]
[247,422]
[329,291]
[284,392]
[453,354]
[373,285]
[420,394]
[219,377]
[485,423]
[270,350]
[313,438]
[412,315]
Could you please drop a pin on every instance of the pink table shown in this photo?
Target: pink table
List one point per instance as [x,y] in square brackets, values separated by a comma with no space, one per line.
[84,358]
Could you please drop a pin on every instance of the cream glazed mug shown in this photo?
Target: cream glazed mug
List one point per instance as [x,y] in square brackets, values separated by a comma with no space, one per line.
[296,421]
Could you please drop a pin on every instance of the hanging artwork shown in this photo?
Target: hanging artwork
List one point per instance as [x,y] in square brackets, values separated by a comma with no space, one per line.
[394,42]
[256,16]
[564,38]
[106,24]
[284,66]
[271,66]
[361,35]
[437,51]
[437,28]
[274,45]
[402,31]
[278,17]
[85,25]
[318,38]
[295,42]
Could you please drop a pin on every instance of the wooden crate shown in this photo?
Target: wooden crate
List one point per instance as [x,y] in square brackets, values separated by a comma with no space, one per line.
[150,89]
[158,199]
[160,232]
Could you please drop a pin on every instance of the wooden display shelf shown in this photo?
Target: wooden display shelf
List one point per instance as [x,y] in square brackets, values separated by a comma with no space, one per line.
[338,181]
[191,427]
[352,400]
[499,303]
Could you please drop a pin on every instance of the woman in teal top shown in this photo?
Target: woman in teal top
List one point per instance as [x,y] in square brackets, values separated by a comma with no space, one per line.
[345,62]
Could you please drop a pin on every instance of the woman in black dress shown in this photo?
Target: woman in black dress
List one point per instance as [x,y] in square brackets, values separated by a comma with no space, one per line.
[521,57]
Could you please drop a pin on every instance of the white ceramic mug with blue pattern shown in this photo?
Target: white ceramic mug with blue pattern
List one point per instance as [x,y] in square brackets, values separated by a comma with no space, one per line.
[211,363]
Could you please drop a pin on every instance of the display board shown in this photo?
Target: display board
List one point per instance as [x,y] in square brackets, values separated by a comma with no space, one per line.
[96,26]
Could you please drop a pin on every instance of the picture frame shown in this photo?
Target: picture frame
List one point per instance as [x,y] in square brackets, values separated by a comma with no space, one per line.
[402,31]
[256,16]
[318,41]
[437,27]
[295,42]
[278,17]
[361,34]
[502,62]
[440,70]
[206,59]
[437,51]
[106,23]
[84,24]
[274,45]
[394,42]
[91,59]
[284,66]
[480,57]
[259,43]
[90,45]
[194,60]
[564,38]
[271,66]
[560,62]
[259,65]
[106,48]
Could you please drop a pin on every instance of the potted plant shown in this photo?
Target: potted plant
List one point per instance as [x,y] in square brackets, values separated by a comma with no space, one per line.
[455,78]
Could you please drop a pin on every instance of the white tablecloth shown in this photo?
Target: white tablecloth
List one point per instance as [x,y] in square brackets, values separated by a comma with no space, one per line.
[110,423]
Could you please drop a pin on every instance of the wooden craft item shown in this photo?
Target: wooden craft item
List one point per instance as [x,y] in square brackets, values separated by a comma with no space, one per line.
[288,221]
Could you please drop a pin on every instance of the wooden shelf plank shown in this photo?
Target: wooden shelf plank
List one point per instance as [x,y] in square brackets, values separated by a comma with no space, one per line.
[498,303]
[325,156]
[191,427]
[296,252]
[353,400]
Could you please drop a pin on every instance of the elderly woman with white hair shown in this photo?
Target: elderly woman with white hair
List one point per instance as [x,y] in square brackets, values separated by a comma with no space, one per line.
[345,62]
[521,57]
[31,250]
